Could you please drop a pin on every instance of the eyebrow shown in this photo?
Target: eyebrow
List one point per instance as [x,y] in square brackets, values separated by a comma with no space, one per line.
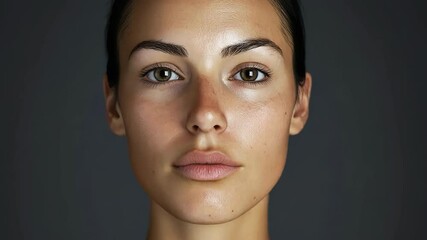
[248,45]
[161,46]
[228,51]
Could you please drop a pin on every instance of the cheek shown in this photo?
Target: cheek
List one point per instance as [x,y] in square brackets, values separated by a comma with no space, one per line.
[152,123]
[264,124]
[152,130]
[264,136]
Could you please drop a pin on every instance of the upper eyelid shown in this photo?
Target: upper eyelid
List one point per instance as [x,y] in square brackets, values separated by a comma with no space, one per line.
[258,66]
[171,66]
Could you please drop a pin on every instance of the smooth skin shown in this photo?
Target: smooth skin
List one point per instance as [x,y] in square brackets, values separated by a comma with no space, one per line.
[206,105]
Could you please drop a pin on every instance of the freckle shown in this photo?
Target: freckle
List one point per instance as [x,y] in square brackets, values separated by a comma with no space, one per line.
[209,215]
[232,210]
[254,198]
[286,113]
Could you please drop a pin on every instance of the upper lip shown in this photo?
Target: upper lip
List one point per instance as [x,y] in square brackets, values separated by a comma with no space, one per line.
[202,157]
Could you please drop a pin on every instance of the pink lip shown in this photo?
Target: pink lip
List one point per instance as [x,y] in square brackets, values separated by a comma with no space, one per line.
[204,166]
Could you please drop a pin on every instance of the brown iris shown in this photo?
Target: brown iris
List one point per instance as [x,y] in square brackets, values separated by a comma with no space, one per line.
[162,74]
[249,74]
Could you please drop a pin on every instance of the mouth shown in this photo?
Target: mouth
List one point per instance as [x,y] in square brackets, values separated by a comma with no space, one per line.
[205,166]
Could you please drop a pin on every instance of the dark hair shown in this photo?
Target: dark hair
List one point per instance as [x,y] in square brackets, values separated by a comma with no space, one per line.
[288,10]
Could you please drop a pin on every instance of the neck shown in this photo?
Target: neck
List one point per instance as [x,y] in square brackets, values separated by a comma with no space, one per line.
[251,225]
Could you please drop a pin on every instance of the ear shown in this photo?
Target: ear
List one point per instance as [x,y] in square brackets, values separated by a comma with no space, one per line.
[300,113]
[114,116]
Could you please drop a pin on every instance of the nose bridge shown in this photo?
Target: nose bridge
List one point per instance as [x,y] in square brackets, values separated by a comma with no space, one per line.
[206,94]
[206,113]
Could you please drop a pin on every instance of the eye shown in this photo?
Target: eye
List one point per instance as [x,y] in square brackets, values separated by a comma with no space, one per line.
[250,74]
[161,74]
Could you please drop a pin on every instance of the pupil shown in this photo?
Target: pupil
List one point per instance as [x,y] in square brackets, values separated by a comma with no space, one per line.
[162,74]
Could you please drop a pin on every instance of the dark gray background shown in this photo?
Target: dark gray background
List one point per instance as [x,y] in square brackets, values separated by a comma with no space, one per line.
[356,172]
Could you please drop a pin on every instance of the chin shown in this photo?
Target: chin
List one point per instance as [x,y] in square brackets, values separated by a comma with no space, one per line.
[203,207]
[200,211]
[206,216]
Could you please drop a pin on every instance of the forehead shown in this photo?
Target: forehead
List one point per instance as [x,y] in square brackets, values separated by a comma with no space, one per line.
[200,21]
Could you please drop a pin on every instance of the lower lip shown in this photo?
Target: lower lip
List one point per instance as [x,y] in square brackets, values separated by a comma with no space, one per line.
[206,172]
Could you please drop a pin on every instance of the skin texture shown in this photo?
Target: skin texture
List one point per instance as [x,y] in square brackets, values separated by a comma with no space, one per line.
[207,109]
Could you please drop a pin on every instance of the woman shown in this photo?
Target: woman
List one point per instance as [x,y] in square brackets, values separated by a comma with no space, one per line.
[207,94]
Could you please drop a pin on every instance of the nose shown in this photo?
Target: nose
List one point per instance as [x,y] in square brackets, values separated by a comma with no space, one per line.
[205,114]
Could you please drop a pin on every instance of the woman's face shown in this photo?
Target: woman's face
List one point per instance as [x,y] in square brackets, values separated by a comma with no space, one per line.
[207,78]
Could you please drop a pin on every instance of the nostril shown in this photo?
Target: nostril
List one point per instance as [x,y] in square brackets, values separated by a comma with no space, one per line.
[196,128]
